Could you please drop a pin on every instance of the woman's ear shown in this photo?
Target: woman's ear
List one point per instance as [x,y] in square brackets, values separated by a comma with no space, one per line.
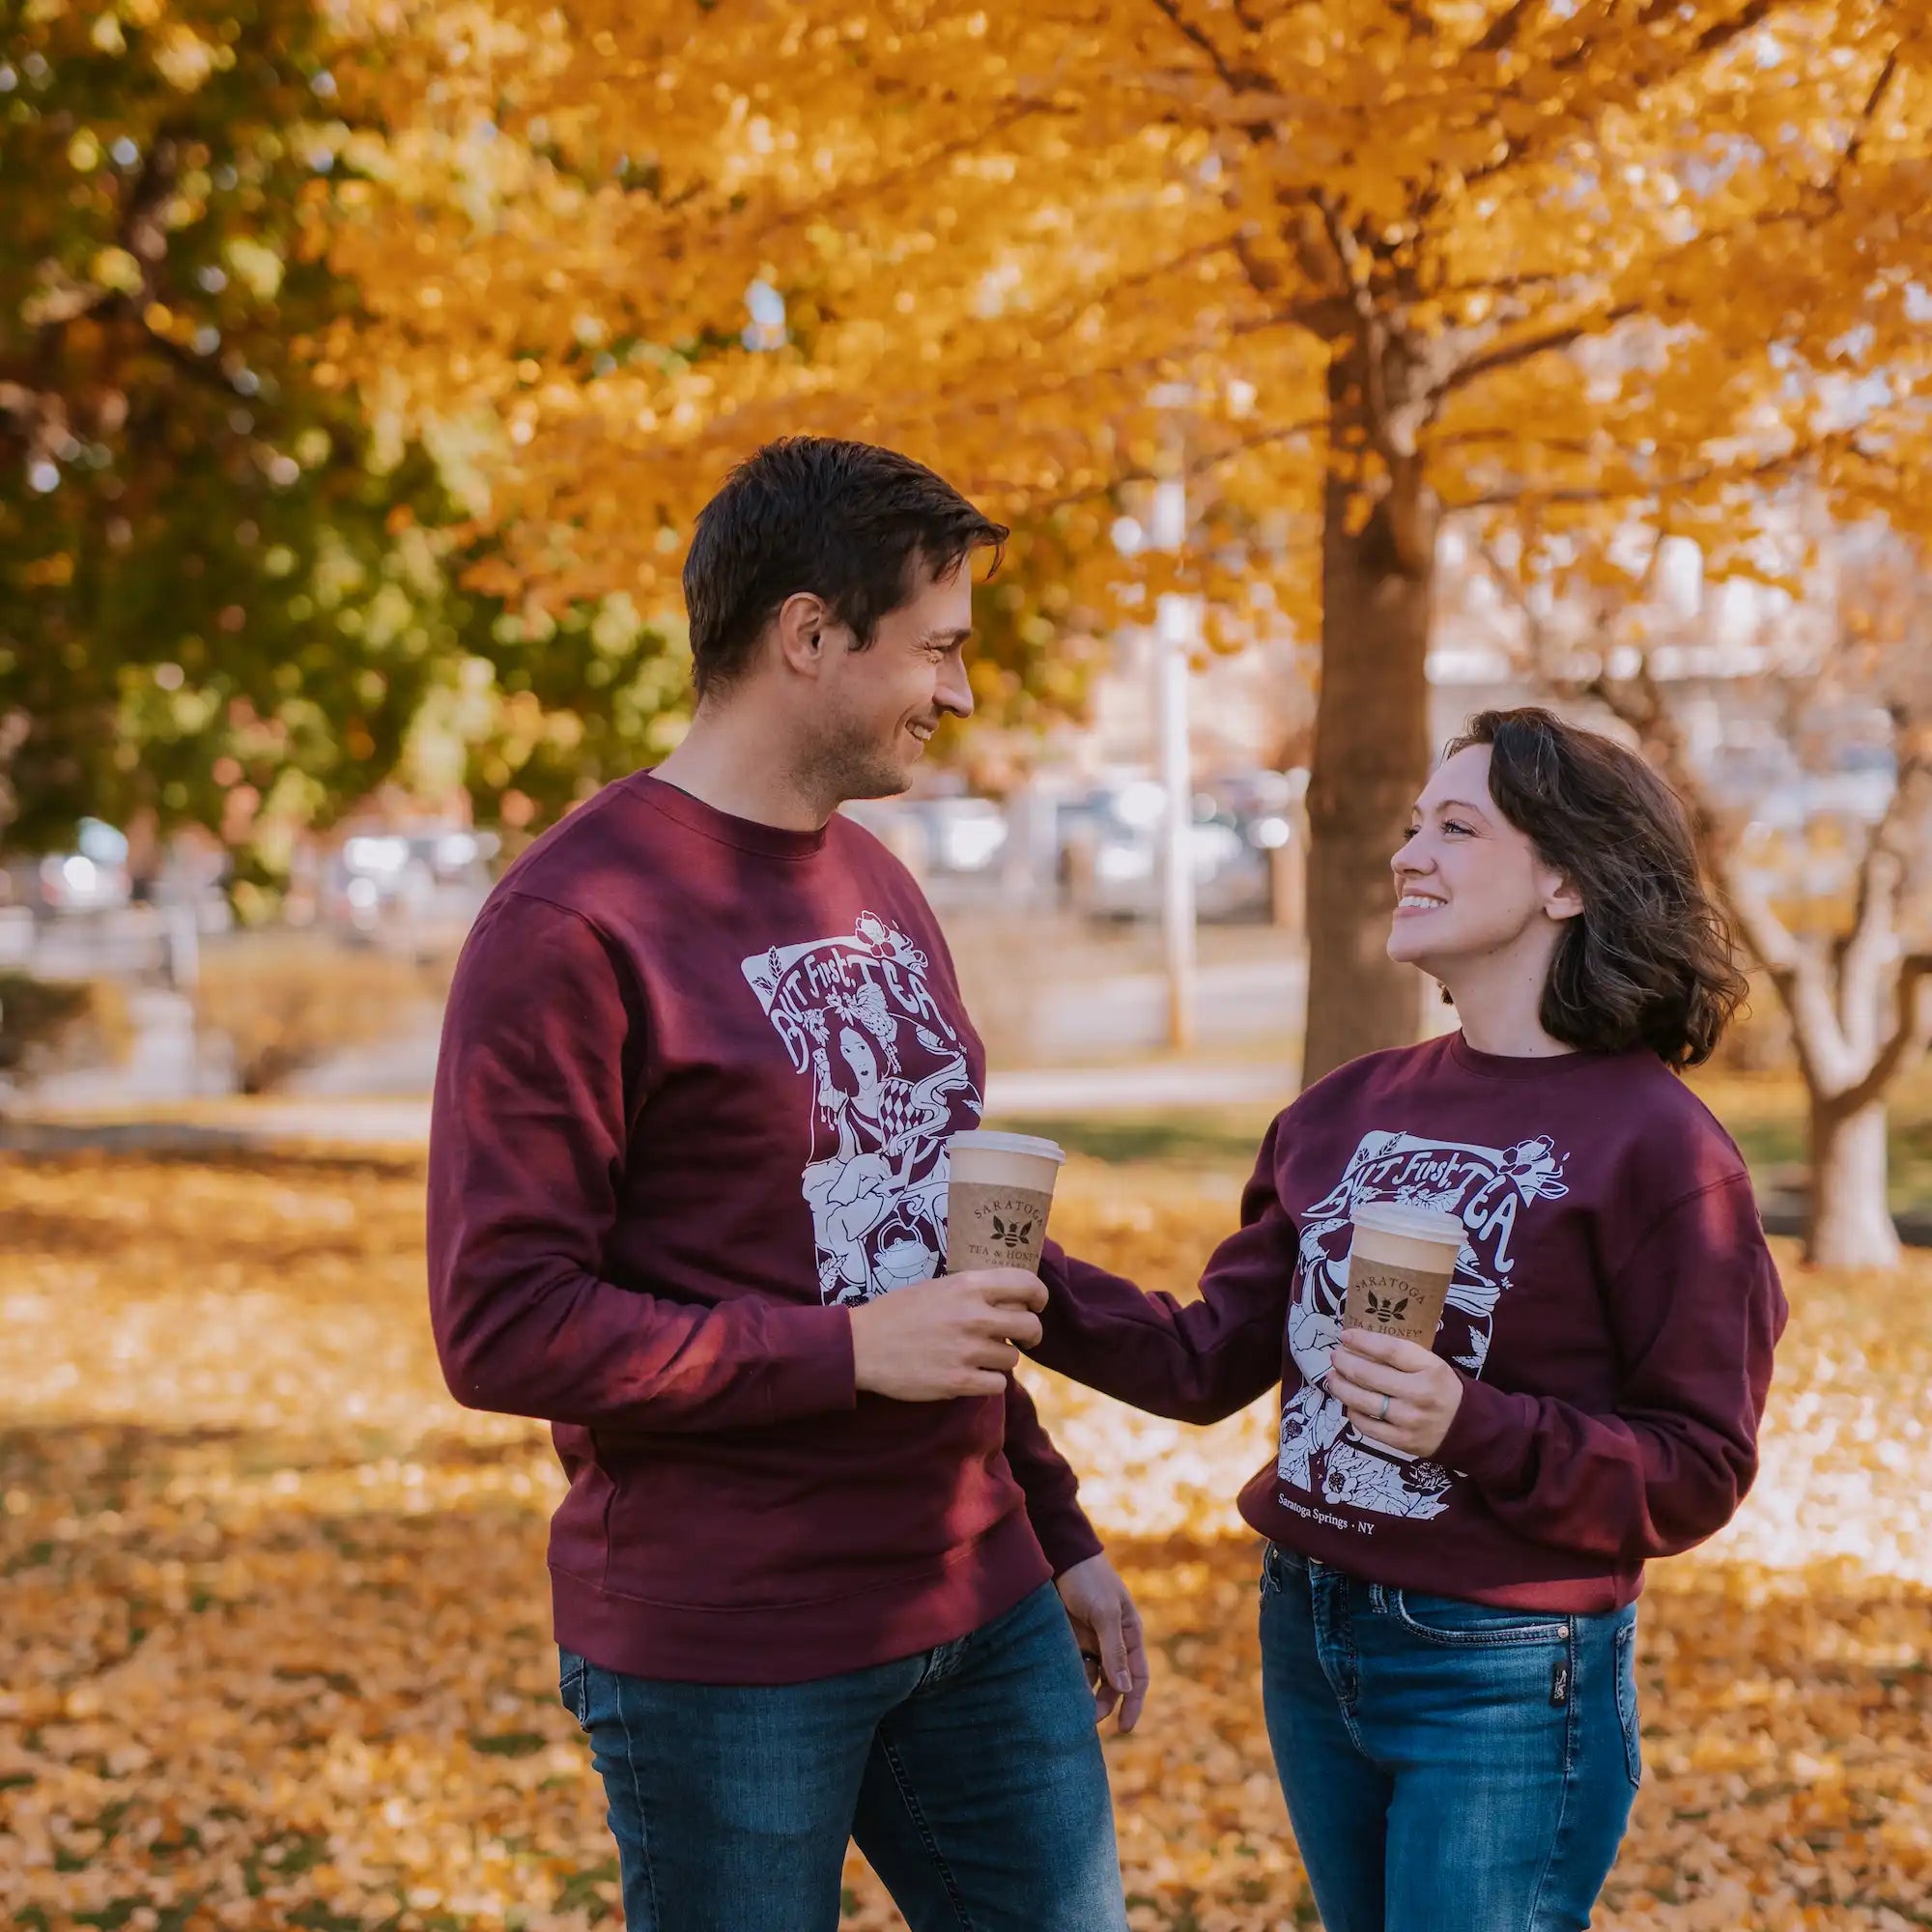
[1561,900]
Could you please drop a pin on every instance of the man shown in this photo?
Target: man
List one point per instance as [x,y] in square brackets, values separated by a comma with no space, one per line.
[703,1055]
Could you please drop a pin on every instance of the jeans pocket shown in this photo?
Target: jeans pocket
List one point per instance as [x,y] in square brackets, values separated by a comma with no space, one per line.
[1627,1700]
[573,1686]
[1276,1564]
[1270,1583]
[1454,1621]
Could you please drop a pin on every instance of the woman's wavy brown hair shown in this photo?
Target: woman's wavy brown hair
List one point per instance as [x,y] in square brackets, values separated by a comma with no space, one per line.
[1649,962]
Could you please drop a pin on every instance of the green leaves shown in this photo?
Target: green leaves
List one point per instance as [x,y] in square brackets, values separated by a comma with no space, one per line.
[222,597]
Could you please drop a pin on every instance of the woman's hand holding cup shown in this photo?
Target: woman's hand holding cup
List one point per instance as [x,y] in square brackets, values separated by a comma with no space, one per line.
[1399,1395]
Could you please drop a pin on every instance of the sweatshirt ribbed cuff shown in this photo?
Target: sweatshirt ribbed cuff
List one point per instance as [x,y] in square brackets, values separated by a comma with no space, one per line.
[1490,1433]
[1065,1535]
[810,1356]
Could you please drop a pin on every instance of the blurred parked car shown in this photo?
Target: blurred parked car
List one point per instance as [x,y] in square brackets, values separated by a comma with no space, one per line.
[963,836]
[940,838]
[90,878]
[1111,848]
[409,890]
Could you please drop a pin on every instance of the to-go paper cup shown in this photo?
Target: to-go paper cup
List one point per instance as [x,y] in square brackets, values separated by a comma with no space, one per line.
[997,1199]
[1399,1262]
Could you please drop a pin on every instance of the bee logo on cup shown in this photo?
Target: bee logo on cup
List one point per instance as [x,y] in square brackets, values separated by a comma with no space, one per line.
[1387,1310]
[1017,1235]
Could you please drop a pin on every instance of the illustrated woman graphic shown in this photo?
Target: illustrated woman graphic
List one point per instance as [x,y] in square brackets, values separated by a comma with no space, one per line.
[890,1136]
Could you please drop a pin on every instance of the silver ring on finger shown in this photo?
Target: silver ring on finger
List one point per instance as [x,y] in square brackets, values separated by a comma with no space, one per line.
[1383,1414]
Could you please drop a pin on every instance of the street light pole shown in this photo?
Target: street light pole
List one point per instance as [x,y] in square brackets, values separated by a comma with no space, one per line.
[1177,628]
[1176,625]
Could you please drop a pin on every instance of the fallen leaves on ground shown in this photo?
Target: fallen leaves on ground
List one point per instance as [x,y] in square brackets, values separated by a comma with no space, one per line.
[274,1624]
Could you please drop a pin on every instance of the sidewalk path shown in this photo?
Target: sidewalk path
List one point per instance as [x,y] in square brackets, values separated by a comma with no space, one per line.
[1148,1088]
[404,1122]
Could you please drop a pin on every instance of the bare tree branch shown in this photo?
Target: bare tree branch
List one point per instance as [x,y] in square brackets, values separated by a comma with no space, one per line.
[919,167]
[1325,316]
[1855,147]
[1051,326]
[1872,950]
[1531,493]
[1910,1039]
[1505,27]
[1370,331]
[1507,354]
[1756,473]
[1636,85]
[1500,285]
[1235,81]
[1202,466]
[1882,855]
[1721,33]
[201,370]
[1798,972]
[1465,438]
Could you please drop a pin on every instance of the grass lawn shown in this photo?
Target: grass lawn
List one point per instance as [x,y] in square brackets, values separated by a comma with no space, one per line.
[1765,1114]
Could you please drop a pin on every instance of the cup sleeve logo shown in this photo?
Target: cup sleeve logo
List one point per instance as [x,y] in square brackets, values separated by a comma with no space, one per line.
[1011,1234]
[1386,1309]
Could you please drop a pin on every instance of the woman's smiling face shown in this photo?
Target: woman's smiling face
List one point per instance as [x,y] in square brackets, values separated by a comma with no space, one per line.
[1468,883]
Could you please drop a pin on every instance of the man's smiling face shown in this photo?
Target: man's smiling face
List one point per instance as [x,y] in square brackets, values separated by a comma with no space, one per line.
[881,705]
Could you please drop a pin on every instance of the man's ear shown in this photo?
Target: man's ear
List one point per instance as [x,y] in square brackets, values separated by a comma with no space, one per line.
[805,627]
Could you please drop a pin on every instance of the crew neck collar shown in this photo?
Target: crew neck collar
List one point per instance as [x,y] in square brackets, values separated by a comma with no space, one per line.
[746,835]
[1522,1066]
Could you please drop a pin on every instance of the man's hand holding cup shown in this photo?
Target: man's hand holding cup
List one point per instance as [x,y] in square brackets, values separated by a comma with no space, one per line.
[960,1336]
[963,1334]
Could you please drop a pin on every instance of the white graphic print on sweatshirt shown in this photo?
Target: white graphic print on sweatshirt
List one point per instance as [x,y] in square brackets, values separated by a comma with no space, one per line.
[890,1084]
[1323,1457]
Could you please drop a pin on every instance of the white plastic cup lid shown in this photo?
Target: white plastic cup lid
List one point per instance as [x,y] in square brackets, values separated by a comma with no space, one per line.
[1417,1224]
[990,1141]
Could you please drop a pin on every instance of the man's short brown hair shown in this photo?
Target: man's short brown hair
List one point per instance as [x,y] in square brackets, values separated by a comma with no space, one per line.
[849,522]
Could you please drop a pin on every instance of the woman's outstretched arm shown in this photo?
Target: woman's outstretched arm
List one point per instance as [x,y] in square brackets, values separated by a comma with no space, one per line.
[1197,1361]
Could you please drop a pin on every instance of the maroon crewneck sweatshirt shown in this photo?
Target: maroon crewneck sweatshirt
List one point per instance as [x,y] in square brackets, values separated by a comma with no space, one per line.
[695,1083]
[1612,1314]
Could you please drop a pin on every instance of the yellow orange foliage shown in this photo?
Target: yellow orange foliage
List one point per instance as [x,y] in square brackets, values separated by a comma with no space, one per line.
[1358,235]
[274,1638]
[1354,267]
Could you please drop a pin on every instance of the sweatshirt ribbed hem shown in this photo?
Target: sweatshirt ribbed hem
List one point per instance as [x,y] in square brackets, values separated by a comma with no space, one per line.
[796,1643]
[1510,1574]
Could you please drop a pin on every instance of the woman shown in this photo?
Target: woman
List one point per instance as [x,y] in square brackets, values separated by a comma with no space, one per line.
[1457,1534]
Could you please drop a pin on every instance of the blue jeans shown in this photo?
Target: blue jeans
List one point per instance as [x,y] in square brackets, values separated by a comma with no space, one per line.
[970,1776]
[1449,1767]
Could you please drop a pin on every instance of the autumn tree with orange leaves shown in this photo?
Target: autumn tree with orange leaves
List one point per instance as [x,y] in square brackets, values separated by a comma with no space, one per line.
[1354,267]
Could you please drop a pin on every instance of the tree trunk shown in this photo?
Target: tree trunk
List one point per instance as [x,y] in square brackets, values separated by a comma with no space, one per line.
[1848,1223]
[1371,760]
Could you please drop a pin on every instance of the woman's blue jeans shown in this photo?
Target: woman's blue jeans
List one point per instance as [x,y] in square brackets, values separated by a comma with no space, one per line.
[1449,1767]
